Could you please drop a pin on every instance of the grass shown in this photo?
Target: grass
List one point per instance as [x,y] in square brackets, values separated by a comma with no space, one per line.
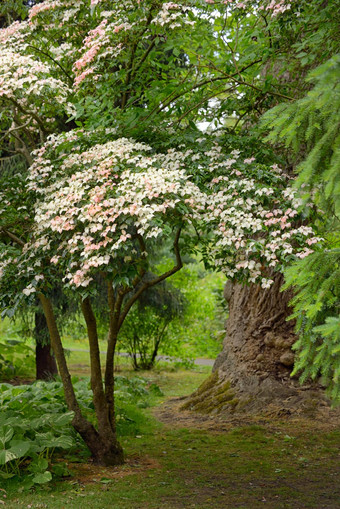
[277,464]
[272,464]
[247,467]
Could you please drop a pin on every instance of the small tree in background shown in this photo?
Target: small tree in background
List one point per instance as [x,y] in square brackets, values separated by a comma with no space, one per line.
[146,328]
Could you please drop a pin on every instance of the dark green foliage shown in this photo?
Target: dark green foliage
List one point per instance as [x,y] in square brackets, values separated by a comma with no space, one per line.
[316,309]
[12,10]
[35,425]
[310,126]
[145,329]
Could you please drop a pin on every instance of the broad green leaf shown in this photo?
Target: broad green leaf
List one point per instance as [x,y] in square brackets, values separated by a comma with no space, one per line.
[62,420]
[38,465]
[42,478]
[20,448]
[6,434]
[6,456]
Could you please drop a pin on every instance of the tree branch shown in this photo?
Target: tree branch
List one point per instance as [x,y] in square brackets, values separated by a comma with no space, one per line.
[12,236]
[53,60]
[201,84]
[153,282]
[206,98]
[33,115]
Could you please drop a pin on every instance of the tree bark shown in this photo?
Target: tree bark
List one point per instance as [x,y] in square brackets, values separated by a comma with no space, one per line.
[46,366]
[103,407]
[252,373]
[103,451]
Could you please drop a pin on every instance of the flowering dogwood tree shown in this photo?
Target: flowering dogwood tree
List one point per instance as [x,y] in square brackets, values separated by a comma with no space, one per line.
[103,209]
[97,205]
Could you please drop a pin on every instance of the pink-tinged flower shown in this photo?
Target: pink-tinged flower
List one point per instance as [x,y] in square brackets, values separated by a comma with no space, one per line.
[305,253]
[81,78]
[118,28]
[250,160]
[44,6]
[311,241]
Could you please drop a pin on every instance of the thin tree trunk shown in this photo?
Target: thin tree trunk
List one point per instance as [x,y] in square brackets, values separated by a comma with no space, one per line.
[106,424]
[101,453]
[46,366]
[115,304]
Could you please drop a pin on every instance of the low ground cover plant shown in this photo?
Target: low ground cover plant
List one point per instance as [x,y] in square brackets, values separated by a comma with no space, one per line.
[35,431]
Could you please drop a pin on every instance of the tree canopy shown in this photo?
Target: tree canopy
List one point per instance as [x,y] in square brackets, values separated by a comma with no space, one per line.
[103,100]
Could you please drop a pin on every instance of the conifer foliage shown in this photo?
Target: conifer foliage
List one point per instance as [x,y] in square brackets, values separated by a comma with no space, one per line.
[311,127]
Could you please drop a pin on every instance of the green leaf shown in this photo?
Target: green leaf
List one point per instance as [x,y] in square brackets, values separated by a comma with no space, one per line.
[6,434]
[62,420]
[38,465]
[20,448]
[6,475]
[42,478]
[6,456]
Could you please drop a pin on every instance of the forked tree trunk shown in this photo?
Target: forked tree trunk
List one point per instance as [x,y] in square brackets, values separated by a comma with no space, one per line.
[252,374]
[104,447]
[46,366]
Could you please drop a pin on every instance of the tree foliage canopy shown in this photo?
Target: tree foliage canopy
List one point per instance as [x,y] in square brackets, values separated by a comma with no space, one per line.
[103,99]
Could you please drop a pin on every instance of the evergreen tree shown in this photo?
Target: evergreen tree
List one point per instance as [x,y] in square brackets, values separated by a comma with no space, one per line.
[310,126]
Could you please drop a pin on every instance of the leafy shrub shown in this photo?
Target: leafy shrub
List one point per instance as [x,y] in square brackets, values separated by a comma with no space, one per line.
[35,424]
[200,330]
[145,329]
[16,359]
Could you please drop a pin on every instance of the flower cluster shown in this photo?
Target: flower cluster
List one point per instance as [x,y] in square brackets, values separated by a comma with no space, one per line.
[274,6]
[104,206]
[171,14]
[142,20]
[100,201]
[96,201]
[29,85]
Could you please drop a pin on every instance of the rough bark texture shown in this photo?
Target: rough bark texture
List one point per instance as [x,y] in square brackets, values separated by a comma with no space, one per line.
[252,374]
[46,366]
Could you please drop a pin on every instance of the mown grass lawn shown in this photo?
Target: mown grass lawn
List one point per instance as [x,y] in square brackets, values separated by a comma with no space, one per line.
[246,467]
[203,464]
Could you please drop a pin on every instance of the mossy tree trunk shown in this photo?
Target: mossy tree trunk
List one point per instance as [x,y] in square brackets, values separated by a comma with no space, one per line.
[252,373]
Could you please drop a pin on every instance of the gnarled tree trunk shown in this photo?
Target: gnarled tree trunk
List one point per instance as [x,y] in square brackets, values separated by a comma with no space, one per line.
[252,374]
